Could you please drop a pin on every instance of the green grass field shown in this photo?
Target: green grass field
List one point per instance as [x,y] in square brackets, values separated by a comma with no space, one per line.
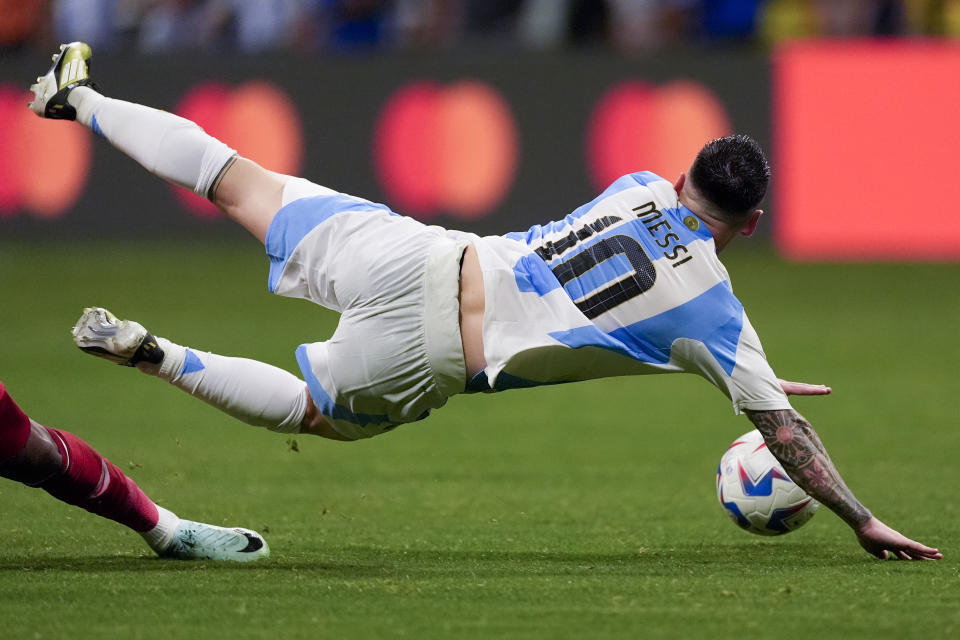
[577,511]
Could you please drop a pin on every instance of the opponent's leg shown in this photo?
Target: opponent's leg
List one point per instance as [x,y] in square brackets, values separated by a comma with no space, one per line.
[251,391]
[69,469]
[167,145]
[27,452]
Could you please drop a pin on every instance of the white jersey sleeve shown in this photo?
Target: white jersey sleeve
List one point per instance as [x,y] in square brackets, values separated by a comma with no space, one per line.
[751,384]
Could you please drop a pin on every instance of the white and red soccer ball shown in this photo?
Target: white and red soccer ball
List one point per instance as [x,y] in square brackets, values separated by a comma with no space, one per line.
[757,493]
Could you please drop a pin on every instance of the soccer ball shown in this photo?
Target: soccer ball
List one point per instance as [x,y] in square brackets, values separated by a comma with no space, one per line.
[757,493]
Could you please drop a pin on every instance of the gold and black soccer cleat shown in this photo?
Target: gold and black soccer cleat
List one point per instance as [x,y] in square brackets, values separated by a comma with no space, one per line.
[70,69]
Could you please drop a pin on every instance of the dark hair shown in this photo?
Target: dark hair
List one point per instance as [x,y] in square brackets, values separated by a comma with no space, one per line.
[732,173]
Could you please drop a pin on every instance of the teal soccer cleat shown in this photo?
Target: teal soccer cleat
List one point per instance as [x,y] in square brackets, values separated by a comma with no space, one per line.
[199,541]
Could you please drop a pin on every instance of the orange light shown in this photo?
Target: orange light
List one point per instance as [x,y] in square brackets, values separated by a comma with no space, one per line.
[404,149]
[452,148]
[262,123]
[29,143]
[686,115]
[619,133]
[635,127]
[12,101]
[256,119]
[865,150]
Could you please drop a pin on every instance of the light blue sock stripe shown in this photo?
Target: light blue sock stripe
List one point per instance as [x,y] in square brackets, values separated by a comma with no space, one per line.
[192,363]
[96,127]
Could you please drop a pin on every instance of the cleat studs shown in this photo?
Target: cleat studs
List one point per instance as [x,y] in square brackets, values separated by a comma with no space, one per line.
[54,57]
[62,47]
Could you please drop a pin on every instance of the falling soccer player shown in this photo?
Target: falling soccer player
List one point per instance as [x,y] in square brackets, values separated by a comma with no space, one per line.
[629,283]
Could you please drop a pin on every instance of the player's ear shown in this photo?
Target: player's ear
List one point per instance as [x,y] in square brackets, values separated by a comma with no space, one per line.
[678,185]
[751,225]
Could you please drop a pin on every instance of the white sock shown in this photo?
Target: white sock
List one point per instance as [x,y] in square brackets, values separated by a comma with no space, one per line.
[167,145]
[160,537]
[254,392]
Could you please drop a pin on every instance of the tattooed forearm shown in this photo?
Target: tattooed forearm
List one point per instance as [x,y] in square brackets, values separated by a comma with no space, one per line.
[798,448]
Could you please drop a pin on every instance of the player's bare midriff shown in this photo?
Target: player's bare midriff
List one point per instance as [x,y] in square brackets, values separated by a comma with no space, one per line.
[471,312]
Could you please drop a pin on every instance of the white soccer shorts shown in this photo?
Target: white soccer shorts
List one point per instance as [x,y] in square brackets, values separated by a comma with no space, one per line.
[396,353]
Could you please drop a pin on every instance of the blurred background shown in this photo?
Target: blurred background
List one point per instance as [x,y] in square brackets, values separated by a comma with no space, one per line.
[330,27]
[570,511]
[492,115]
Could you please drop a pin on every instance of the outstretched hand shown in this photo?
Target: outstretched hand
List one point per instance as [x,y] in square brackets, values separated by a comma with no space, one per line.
[803,389]
[883,542]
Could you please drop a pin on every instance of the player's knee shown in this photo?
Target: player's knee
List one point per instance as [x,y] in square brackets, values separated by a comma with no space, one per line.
[249,194]
[38,459]
[14,427]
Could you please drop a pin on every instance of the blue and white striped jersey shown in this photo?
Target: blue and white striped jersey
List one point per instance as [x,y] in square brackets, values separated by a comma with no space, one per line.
[629,283]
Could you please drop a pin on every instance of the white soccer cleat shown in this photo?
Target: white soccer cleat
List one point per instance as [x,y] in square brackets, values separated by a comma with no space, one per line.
[125,342]
[70,69]
[199,541]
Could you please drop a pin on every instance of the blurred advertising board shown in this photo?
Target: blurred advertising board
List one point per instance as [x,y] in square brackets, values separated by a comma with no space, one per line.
[860,141]
[484,142]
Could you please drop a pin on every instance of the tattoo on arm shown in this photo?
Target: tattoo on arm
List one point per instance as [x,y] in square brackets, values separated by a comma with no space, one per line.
[798,448]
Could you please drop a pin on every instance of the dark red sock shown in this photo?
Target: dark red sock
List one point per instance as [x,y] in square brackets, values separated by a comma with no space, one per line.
[90,481]
[14,427]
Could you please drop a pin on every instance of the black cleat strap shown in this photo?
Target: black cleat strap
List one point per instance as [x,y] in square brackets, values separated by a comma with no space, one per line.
[58,108]
[148,351]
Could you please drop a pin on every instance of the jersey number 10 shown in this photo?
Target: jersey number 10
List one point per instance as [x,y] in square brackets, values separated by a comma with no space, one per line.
[622,286]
